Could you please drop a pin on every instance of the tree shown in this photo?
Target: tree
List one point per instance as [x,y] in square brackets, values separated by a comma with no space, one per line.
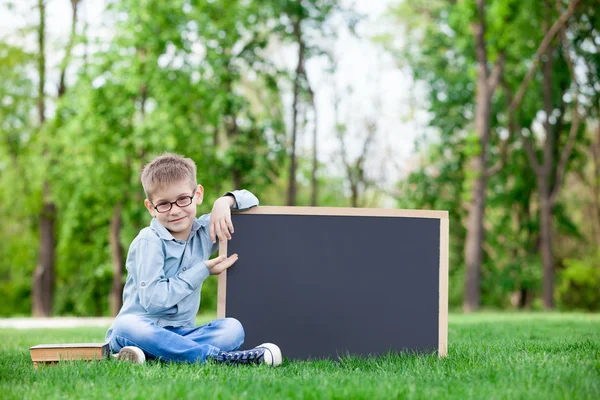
[487,81]
[235,51]
[147,93]
[303,19]
[354,170]
[448,49]
[44,274]
[496,31]
[550,173]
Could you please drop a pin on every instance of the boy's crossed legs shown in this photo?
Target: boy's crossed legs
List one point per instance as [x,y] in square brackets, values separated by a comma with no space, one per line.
[219,340]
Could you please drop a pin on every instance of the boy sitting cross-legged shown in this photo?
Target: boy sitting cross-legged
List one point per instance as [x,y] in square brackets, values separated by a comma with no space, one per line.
[167,263]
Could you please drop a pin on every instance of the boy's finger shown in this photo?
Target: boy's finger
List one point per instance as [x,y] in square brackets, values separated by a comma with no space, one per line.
[212,232]
[229,260]
[228,263]
[229,224]
[214,261]
[225,229]
[223,232]
[219,233]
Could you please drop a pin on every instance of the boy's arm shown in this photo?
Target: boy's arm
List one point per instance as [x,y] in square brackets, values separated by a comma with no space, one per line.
[244,199]
[157,292]
[220,216]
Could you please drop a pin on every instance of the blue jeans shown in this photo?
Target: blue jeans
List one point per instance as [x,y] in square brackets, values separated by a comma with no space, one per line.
[176,344]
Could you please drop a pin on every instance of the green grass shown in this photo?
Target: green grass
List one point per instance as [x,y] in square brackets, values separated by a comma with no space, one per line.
[491,356]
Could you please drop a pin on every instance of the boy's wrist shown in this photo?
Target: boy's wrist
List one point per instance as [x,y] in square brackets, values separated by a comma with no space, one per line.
[229,199]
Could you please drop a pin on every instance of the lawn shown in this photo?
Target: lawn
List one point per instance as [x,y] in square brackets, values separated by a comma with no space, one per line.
[491,356]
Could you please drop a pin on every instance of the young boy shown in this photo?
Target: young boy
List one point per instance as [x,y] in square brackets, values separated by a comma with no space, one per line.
[167,263]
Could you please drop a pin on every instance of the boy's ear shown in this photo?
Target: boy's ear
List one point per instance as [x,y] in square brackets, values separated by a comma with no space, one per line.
[149,207]
[199,194]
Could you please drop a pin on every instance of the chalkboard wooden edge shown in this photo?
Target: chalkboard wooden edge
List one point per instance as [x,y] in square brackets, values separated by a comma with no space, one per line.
[222,284]
[345,211]
[444,249]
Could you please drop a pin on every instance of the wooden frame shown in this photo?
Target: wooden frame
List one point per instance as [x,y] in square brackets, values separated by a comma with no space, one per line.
[364,212]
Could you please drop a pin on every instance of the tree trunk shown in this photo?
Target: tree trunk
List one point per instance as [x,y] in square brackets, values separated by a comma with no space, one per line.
[43,276]
[41,106]
[595,149]
[237,178]
[474,241]
[232,134]
[116,291]
[477,165]
[315,165]
[63,72]
[546,247]
[354,198]
[543,170]
[232,131]
[545,177]
[291,198]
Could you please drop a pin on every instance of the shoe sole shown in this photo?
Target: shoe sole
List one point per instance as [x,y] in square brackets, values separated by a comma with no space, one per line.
[132,354]
[272,354]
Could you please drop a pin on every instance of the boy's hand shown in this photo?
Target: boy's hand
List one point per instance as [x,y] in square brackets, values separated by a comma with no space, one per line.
[220,219]
[220,264]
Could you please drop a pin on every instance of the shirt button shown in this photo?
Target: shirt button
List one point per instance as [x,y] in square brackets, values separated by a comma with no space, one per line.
[143,283]
[184,268]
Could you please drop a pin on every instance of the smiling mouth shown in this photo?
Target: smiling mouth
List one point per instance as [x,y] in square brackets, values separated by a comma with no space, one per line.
[177,220]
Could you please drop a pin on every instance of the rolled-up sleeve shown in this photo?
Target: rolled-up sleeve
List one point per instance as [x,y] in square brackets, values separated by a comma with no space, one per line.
[157,292]
[244,200]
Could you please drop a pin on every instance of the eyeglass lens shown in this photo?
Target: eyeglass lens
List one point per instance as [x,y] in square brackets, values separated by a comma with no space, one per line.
[181,202]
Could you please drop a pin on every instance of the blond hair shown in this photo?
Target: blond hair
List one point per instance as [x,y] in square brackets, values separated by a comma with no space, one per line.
[168,169]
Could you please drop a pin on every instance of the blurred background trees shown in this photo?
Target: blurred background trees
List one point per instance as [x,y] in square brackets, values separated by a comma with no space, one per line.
[509,145]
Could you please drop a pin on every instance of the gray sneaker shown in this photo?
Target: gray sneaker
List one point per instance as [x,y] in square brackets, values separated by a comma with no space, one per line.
[267,353]
[132,354]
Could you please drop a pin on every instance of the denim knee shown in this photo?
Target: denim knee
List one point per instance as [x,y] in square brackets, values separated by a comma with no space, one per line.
[232,333]
[130,330]
[234,327]
[133,330]
[127,325]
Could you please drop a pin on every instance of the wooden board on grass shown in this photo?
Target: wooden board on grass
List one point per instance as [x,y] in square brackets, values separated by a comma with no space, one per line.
[325,282]
[53,353]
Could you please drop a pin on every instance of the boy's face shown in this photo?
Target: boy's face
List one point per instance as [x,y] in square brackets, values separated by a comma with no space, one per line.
[178,220]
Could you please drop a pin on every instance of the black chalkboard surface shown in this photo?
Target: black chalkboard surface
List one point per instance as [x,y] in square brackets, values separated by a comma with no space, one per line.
[327,282]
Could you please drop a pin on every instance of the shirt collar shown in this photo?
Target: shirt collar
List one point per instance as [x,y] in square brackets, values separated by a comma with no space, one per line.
[164,233]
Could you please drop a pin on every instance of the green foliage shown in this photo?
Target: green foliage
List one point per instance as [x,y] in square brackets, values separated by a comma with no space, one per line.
[192,77]
[131,105]
[17,196]
[579,283]
[197,78]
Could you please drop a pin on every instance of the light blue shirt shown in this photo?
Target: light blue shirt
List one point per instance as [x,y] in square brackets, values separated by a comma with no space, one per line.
[165,275]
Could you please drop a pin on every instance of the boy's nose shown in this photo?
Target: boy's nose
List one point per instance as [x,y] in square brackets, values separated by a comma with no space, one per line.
[175,209]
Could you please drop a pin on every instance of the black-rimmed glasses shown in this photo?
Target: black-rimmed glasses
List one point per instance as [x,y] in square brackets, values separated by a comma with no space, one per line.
[166,206]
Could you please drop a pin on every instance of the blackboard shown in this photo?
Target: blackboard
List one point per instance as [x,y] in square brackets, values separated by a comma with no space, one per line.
[330,282]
